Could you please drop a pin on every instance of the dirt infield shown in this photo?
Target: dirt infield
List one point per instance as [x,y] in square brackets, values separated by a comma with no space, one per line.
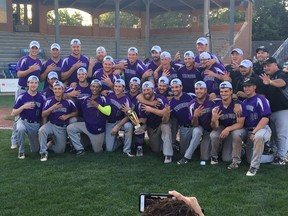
[4,114]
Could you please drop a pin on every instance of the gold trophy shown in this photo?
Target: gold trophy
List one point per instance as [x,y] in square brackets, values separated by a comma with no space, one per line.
[133,118]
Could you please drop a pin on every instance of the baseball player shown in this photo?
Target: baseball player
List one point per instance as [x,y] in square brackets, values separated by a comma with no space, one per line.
[179,110]
[118,119]
[72,62]
[200,113]
[258,112]
[54,63]
[95,111]
[26,66]
[51,78]
[227,128]
[58,111]
[28,106]
[134,91]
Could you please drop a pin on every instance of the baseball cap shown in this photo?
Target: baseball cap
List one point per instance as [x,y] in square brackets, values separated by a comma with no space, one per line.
[147,84]
[75,41]
[165,54]
[205,55]
[163,80]
[133,49]
[156,48]
[52,75]
[202,40]
[189,53]
[108,58]
[263,48]
[249,81]
[200,84]
[96,81]
[58,83]
[82,69]
[225,84]
[121,81]
[55,46]
[135,79]
[34,44]
[100,49]
[33,77]
[238,50]
[246,63]
[270,60]
[176,81]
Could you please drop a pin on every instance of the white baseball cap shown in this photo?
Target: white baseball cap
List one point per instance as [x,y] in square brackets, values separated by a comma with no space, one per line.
[238,50]
[82,69]
[176,81]
[52,75]
[205,55]
[33,77]
[133,49]
[135,79]
[100,49]
[165,54]
[55,46]
[156,48]
[75,41]
[121,81]
[246,63]
[189,54]
[202,40]
[58,83]
[147,84]
[225,84]
[164,80]
[96,81]
[201,84]
[108,58]
[34,44]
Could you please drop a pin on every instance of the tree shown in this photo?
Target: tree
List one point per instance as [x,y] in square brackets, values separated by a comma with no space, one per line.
[270,20]
[65,18]
[127,20]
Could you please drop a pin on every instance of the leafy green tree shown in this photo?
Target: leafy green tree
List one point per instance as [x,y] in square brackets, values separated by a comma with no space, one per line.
[65,18]
[172,20]
[270,20]
[127,20]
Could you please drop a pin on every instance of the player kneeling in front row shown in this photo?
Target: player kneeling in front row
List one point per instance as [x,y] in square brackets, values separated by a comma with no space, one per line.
[95,111]
[57,111]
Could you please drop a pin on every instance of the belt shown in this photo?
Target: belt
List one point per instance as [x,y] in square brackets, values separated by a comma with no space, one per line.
[250,128]
[188,126]
[60,125]
[30,121]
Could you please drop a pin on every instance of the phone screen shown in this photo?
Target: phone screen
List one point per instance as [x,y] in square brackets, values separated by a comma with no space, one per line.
[146,199]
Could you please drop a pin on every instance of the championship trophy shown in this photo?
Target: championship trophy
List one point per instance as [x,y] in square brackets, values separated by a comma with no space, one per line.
[133,118]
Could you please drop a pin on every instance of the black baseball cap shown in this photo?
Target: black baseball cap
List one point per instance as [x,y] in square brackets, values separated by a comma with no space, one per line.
[250,81]
[263,48]
[269,60]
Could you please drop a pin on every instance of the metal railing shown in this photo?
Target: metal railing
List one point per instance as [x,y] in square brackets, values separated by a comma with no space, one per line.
[281,53]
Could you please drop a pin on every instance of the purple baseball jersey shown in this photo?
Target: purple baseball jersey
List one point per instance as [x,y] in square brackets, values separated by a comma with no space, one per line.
[47,92]
[153,121]
[34,114]
[179,109]
[95,120]
[132,99]
[151,65]
[116,104]
[205,119]
[57,69]
[69,61]
[68,106]
[189,78]
[197,58]
[99,74]
[98,65]
[256,108]
[228,117]
[23,64]
[173,74]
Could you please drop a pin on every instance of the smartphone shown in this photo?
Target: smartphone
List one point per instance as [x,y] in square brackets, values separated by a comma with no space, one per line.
[146,199]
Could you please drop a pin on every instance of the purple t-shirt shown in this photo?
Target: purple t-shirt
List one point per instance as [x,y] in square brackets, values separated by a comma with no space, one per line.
[179,109]
[256,108]
[34,114]
[205,119]
[116,106]
[99,74]
[68,106]
[228,117]
[69,61]
[23,64]
[135,70]
[153,121]
[57,69]
[189,78]
[95,120]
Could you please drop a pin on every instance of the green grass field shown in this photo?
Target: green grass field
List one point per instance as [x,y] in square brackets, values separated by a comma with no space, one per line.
[6,101]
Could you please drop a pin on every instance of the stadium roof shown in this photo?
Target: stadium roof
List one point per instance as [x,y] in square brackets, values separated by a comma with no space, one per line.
[157,6]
